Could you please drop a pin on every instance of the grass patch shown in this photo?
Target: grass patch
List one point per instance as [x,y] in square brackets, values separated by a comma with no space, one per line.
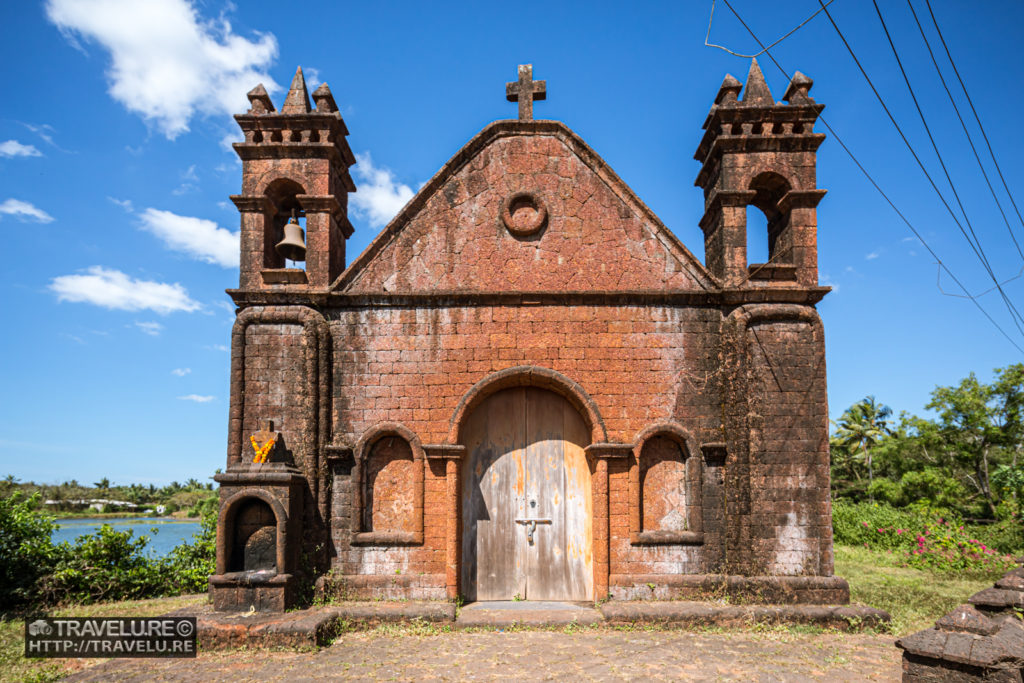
[15,667]
[915,598]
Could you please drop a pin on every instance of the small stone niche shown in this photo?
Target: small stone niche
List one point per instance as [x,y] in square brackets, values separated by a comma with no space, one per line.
[254,547]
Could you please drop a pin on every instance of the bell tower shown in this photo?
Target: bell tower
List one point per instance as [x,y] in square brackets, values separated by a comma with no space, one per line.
[294,168]
[761,153]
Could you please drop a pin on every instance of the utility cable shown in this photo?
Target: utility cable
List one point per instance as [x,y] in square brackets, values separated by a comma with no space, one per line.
[967,133]
[978,251]
[975,112]
[977,241]
[708,43]
[877,187]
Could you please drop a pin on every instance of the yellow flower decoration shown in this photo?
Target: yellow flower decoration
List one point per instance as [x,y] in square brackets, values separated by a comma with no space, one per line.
[262,451]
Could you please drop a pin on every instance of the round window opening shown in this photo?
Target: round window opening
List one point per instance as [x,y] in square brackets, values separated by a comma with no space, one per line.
[524,214]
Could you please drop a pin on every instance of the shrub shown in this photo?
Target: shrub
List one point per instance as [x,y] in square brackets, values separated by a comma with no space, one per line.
[923,538]
[26,551]
[189,564]
[1006,535]
[108,565]
[859,524]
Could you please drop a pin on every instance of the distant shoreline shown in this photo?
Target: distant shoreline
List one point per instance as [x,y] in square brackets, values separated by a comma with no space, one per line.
[120,515]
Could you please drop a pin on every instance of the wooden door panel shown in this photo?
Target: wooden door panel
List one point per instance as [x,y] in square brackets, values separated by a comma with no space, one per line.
[578,508]
[492,494]
[526,461]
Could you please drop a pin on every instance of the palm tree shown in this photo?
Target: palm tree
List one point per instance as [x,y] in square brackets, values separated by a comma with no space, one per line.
[863,425]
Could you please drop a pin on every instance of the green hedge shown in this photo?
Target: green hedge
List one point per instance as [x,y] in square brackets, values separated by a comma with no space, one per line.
[926,539]
[107,565]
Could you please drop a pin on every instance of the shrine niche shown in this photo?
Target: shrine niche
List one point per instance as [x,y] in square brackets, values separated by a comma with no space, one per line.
[389,472]
[665,489]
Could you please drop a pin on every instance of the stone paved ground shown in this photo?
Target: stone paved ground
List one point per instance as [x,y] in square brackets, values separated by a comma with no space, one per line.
[540,655]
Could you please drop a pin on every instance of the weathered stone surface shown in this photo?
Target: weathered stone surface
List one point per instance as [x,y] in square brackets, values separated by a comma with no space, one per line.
[710,614]
[969,620]
[1011,582]
[998,598]
[526,261]
[504,614]
[389,611]
[969,644]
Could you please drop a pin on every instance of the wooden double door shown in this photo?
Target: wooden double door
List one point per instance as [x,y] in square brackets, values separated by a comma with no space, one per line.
[526,499]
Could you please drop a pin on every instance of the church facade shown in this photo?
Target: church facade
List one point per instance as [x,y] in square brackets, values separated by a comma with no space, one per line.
[526,387]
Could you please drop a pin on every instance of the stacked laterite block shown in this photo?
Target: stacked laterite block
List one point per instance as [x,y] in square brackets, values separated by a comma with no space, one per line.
[526,261]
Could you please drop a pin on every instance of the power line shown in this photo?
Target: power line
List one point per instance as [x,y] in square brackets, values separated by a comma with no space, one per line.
[707,38]
[979,250]
[963,125]
[975,112]
[877,187]
[976,248]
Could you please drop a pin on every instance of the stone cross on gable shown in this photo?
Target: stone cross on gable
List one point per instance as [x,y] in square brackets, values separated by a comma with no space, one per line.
[525,91]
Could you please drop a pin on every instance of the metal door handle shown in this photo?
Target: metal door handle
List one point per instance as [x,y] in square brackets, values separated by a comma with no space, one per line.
[531,526]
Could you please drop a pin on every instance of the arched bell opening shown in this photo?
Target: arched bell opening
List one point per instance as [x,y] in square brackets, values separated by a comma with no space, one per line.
[769,222]
[285,233]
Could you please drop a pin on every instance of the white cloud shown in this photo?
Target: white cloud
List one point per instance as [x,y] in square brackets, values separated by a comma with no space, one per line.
[872,256]
[150,328]
[167,63]
[312,77]
[44,131]
[198,237]
[13,148]
[229,139]
[218,347]
[828,282]
[197,398]
[24,211]
[125,204]
[380,195]
[180,372]
[113,289]
[189,179]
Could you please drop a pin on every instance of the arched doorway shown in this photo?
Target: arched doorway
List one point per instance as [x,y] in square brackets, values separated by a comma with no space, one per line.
[526,499]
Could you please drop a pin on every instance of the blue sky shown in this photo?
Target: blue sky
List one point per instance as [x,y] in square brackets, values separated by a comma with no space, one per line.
[116,169]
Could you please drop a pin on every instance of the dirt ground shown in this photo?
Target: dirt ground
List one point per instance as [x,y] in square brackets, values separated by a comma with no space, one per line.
[539,655]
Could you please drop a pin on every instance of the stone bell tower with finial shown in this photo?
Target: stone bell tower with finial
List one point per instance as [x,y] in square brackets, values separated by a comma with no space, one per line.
[761,153]
[294,164]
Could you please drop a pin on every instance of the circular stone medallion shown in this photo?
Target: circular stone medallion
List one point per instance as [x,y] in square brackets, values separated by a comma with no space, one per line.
[524,214]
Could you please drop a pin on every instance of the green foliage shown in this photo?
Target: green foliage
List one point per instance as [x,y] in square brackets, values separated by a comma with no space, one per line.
[968,459]
[191,563]
[914,597]
[72,497]
[206,506]
[107,565]
[921,538]
[859,430]
[858,524]
[26,552]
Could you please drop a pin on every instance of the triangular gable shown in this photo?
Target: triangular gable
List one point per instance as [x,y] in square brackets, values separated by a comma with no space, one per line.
[597,236]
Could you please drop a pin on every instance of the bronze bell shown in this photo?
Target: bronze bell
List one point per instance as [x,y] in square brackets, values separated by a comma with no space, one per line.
[293,246]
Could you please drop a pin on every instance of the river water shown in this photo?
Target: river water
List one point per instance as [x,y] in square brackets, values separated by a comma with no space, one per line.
[170,532]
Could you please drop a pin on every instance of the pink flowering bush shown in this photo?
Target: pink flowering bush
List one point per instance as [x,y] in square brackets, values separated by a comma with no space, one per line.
[919,539]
